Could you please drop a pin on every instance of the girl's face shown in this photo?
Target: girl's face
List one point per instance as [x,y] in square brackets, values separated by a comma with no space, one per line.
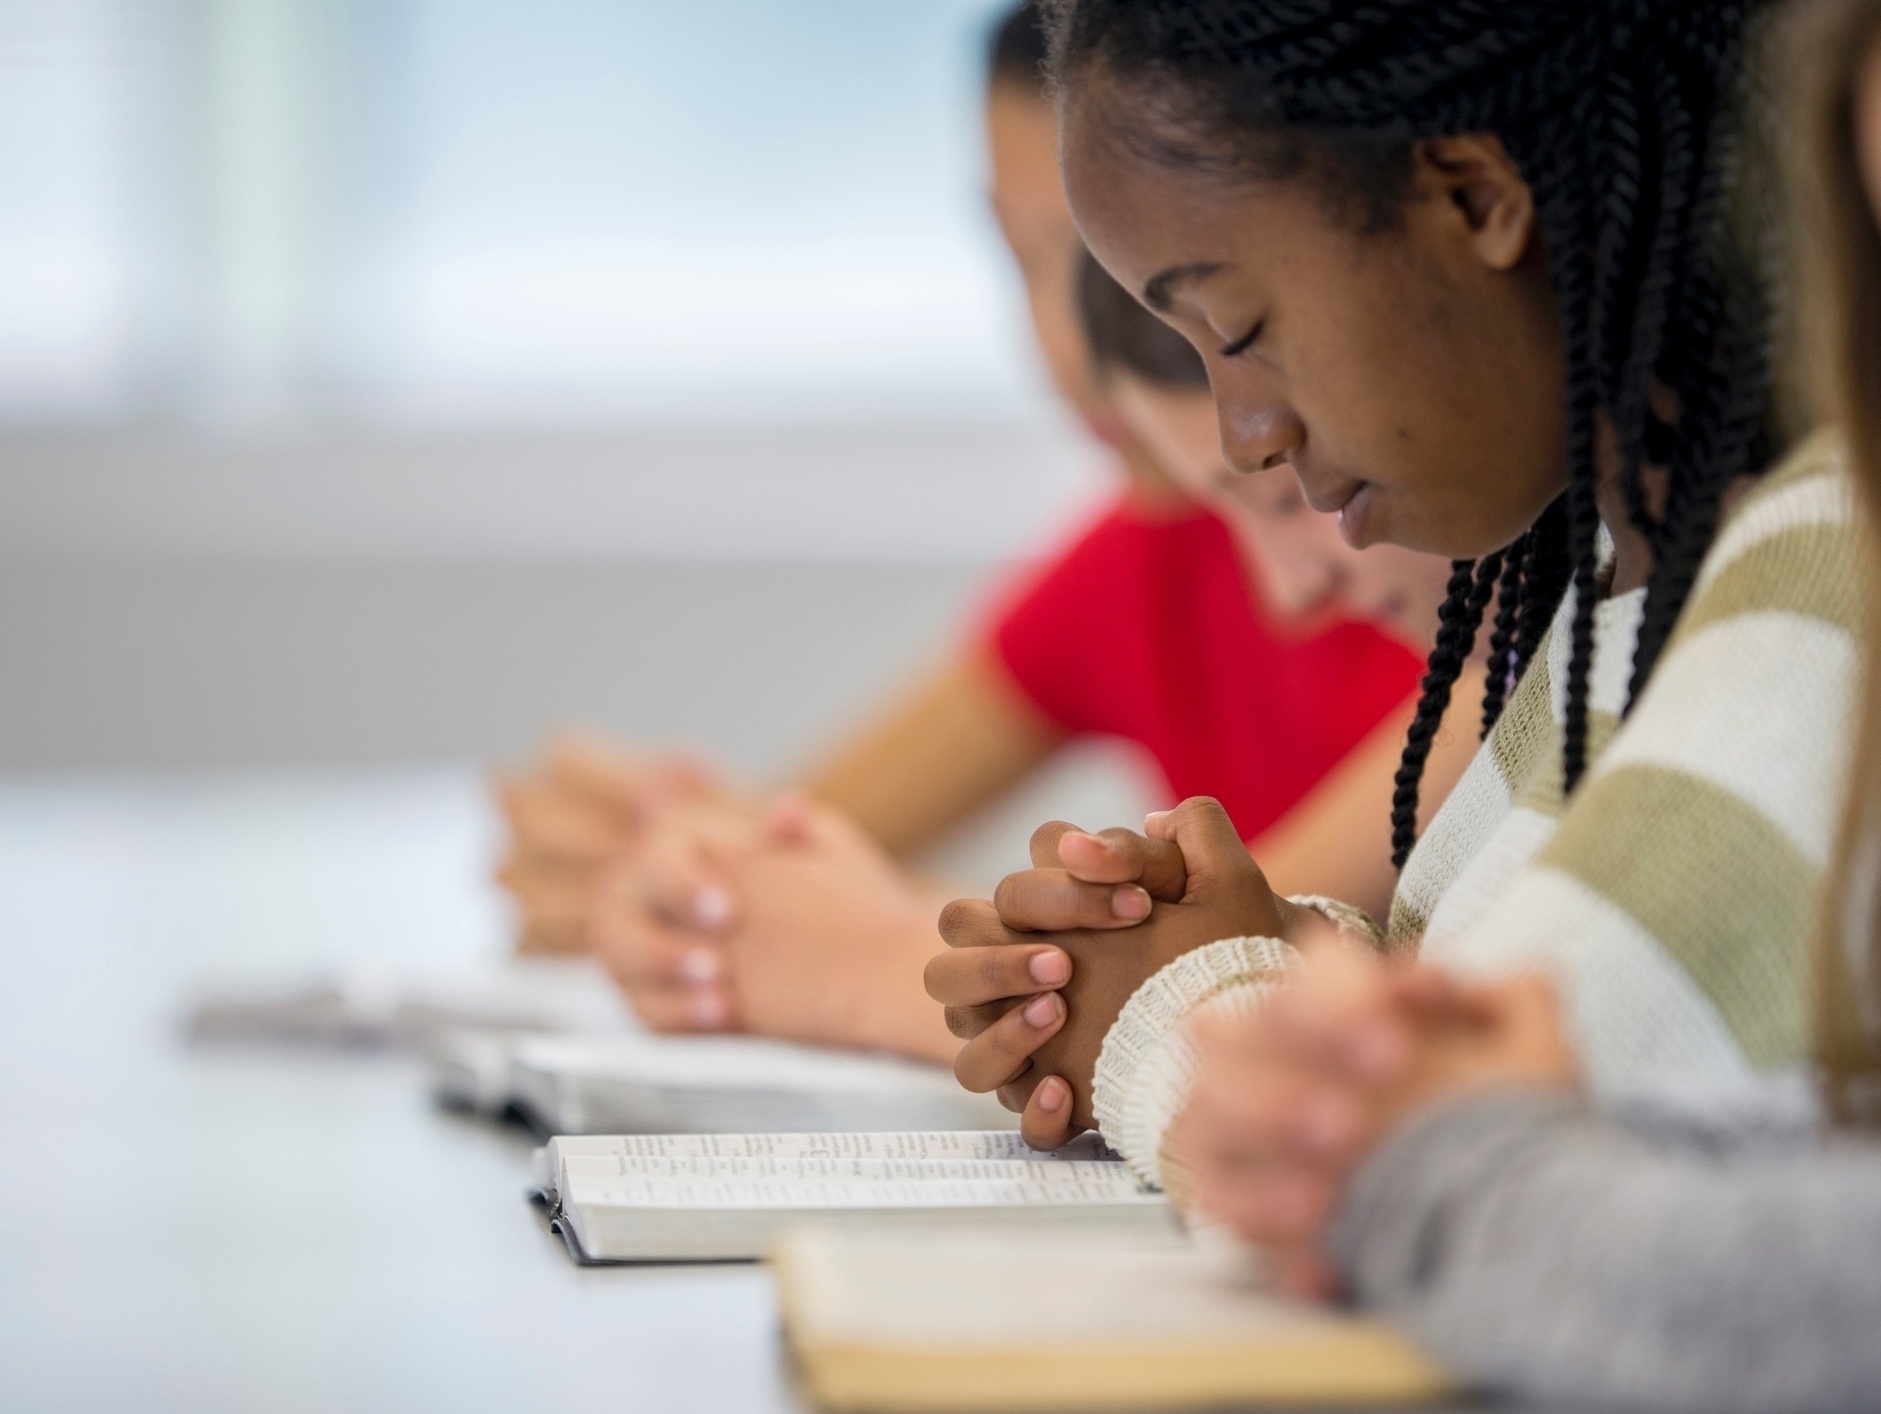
[1301,566]
[1412,377]
[1868,128]
[1028,200]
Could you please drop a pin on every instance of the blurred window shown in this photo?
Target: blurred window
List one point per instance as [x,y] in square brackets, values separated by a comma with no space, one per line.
[560,210]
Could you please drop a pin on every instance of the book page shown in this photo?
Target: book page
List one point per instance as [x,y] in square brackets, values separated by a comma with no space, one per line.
[1018,1288]
[962,1144]
[1083,1184]
[585,1172]
[731,1062]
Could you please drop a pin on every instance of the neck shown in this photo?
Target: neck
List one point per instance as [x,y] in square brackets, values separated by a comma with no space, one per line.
[1632,559]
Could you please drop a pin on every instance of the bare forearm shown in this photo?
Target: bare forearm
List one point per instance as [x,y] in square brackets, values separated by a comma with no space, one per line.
[907,1019]
[958,737]
[1337,841]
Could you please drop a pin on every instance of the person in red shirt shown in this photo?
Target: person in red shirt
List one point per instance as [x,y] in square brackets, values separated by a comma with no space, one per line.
[1228,700]
[1227,660]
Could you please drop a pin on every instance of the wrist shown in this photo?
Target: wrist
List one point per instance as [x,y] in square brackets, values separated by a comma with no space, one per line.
[890,1005]
[1304,919]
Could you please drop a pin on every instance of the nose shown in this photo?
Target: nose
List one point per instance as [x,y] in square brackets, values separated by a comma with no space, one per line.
[1257,433]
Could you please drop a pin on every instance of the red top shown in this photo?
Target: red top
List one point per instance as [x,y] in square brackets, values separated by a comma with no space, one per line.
[1147,628]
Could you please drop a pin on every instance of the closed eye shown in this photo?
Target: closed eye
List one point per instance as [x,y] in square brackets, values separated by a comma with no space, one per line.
[1242,344]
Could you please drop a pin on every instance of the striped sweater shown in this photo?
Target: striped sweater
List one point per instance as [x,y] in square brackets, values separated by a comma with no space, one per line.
[1671,893]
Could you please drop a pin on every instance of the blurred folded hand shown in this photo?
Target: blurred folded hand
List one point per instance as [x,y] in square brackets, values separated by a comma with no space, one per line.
[793,923]
[1292,1100]
[586,803]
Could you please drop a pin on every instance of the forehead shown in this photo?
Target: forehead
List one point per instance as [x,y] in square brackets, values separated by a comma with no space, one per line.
[1159,229]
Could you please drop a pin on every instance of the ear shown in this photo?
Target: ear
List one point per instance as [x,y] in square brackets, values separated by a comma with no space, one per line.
[1476,176]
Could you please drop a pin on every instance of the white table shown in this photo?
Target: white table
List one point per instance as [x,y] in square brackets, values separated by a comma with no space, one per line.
[246,1230]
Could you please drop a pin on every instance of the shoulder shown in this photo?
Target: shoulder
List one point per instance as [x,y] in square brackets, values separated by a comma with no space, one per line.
[1794,544]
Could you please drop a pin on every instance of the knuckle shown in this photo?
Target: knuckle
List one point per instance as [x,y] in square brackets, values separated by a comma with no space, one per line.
[971,1068]
[963,1022]
[1048,833]
[1012,892]
[959,920]
[992,972]
[1043,846]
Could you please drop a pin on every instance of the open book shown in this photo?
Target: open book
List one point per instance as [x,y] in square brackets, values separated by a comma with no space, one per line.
[646,1084]
[372,1007]
[996,1321]
[688,1198]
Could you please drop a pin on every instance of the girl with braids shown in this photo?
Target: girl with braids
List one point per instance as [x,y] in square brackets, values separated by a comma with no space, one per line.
[1466,267]
[1154,380]
[1546,1249]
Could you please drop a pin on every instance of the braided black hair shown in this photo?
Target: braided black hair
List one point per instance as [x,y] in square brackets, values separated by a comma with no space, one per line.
[1623,117]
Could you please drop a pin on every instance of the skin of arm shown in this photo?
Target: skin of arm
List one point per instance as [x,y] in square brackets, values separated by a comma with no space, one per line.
[1337,841]
[958,737]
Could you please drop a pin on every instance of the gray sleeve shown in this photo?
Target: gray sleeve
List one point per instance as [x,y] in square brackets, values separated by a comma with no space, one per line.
[1549,1253]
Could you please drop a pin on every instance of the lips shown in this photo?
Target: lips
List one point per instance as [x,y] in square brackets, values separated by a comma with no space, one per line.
[1354,515]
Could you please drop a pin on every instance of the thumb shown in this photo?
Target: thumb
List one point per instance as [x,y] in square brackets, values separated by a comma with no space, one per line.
[1212,849]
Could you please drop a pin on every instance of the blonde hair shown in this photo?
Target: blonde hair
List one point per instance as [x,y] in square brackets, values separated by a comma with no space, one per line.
[1838,256]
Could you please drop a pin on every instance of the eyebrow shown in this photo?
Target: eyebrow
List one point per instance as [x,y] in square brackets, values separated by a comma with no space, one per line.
[1161,288]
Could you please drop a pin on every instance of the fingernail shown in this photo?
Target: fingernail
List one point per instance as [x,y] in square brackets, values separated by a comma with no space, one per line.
[711,907]
[1043,1011]
[1052,969]
[707,1009]
[1129,902]
[700,965]
[1052,1095]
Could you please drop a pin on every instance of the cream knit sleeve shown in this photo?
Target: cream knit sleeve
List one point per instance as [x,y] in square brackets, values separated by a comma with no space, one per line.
[1147,1065]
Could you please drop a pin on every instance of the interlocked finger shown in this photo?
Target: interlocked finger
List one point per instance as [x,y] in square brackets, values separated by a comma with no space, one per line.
[1053,901]
[1001,1052]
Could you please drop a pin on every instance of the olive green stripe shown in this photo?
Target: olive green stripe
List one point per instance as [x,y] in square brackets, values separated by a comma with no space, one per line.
[1404,930]
[1715,881]
[1526,726]
[1814,570]
[1542,791]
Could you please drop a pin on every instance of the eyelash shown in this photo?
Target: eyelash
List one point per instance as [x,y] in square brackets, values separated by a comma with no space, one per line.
[1246,341]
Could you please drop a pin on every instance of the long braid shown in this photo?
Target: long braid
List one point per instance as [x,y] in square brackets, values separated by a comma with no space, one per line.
[1503,669]
[1544,581]
[1620,115]
[1467,596]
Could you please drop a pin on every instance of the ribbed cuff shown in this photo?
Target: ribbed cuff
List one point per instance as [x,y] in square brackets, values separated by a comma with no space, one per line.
[1344,917]
[1147,1065]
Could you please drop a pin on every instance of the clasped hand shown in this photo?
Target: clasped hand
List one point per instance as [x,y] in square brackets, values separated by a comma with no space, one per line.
[1035,977]
[1290,1102]
[787,922]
